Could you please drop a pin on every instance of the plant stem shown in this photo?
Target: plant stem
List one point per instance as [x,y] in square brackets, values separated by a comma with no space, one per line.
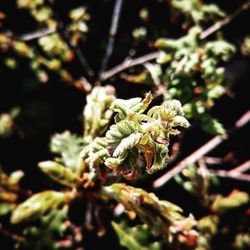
[112,34]
[219,25]
[128,63]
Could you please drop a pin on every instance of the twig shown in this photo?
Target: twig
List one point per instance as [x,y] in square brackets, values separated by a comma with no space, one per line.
[26,37]
[242,168]
[112,34]
[229,174]
[195,156]
[127,63]
[36,34]
[212,160]
[219,25]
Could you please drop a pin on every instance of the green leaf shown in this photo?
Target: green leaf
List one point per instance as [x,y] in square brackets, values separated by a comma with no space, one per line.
[59,173]
[134,105]
[68,146]
[126,165]
[234,200]
[96,152]
[39,204]
[97,112]
[6,208]
[137,237]
[45,234]
[127,144]
[120,131]
[160,158]
[212,126]
[161,216]
[180,121]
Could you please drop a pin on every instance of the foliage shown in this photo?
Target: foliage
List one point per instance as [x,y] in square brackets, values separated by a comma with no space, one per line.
[97,165]
[191,60]
[136,237]
[200,182]
[162,217]
[9,191]
[43,235]
[68,146]
[135,134]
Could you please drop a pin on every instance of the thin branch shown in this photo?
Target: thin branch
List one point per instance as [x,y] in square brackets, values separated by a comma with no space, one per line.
[212,160]
[112,34]
[195,156]
[241,168]
[219,25]
[128,63]
[36,34]
[229,174]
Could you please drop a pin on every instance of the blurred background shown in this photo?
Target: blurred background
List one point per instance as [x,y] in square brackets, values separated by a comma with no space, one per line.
[52,53]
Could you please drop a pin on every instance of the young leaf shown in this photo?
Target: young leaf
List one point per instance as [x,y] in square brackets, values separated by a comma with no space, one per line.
[162,217]
[39,204]
[137,237]
[96,152]
[59,173]
[68,146]
[45,234]
[96,113]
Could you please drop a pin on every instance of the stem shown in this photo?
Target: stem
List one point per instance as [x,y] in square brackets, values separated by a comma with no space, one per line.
[112,34]
[128,63]
[242,168]
[219,25]
[229,174]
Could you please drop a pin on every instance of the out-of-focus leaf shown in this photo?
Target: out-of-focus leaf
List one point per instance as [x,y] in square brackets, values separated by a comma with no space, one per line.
[9,190]
[212,125]
[162,217]
[69,147]
[59,173]
[96,113]
[45,234]
[234,200]
[137,237]
[5,208]
[38,205]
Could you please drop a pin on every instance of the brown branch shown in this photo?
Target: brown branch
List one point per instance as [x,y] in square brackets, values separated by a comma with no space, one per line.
[212,160]
[195,156]
[112,34]
[241,168]
[36,34]
[128,63]
[229,174]
[219,25]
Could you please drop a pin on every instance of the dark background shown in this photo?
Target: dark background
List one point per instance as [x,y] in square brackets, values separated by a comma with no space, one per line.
[55,106]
